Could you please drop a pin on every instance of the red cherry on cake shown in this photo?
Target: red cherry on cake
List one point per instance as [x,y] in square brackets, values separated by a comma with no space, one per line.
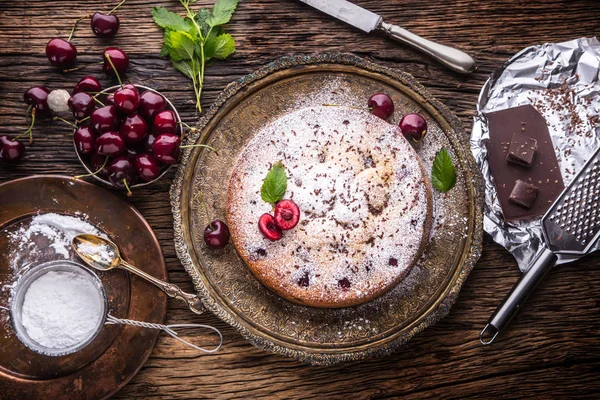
[287,214]
[381,105]
[268,227]
[413,127]
[216,234]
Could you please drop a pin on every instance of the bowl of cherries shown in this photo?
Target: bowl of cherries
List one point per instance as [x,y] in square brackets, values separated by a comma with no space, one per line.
[131,139]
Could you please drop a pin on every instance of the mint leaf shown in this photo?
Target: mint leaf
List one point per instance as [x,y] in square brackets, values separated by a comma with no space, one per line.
[443,173]
[220,47]
[222,12]
[169,20]
[275,184]
[201,16]
[185,67]
[181,46]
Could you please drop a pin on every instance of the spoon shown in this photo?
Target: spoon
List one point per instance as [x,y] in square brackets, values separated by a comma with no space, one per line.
[102,254]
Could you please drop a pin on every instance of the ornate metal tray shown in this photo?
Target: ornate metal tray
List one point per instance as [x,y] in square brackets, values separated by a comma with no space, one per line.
[228,288]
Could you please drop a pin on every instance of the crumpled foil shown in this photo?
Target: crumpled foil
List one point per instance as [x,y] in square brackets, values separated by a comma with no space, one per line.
[562,81]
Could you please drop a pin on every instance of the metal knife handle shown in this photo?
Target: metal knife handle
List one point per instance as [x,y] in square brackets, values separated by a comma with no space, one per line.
[520,292]
[452,58]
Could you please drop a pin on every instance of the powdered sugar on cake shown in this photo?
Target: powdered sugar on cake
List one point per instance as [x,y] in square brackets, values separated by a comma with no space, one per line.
[365,204]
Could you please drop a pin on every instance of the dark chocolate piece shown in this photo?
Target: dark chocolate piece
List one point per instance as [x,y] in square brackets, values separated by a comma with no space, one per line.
[523,194]
[522,150]
[544,172]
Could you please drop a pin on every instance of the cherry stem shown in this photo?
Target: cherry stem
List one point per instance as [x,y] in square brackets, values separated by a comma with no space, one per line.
[79,121]
[115,8]
[200,145]
[93,173]
[27,112]
[99,93]
[80,67]
[75,26]
[129,194]
[57,118]
[191,128]
[114,69]
[30,130]
[206,211]
[98,101]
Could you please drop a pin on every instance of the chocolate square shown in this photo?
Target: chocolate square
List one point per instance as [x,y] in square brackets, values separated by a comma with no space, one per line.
[523,194]
[522,150]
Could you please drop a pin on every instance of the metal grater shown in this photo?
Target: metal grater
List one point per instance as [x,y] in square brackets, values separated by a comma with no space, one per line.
[571,227]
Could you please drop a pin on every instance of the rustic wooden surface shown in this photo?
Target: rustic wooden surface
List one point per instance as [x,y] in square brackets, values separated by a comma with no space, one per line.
[552,348]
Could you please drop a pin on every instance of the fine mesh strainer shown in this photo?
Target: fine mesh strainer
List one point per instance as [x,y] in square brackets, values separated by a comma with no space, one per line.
[571,228]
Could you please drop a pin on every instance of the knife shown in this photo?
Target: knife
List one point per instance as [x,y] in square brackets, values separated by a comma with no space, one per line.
[368,21]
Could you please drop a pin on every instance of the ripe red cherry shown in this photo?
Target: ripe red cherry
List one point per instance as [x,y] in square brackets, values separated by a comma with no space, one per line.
[11,150]
[381,105]
[133,129]
[216,234]
[119,59]
[105,25]
[120,172]
[61,53]
[146,167]
[110,100]
[165,122]
[88,84]
[105,119]
[84,139]
[127,100]
[110,144]
[81,104]
[287,214]
[37,96]
[413,127]
[268,227]
[166,148]
[97,161]
[151,103]
[147,142]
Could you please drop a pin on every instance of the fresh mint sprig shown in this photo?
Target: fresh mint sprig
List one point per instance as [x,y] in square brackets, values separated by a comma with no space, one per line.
[443,173]
[275,184]
[191,41]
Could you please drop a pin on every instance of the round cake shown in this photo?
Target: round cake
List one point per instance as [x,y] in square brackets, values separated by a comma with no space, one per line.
[365,202]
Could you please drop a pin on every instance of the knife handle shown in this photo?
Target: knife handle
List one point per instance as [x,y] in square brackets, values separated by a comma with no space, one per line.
[545,260]
[452,58]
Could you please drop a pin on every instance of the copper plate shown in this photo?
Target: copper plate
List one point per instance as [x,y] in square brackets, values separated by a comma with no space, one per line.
[117,354]
[324,336]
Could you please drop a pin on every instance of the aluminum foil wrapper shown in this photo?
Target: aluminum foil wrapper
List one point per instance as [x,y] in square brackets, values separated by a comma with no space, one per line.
[562,81]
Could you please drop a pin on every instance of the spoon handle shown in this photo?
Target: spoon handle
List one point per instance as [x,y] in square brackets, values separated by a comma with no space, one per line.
[192,300]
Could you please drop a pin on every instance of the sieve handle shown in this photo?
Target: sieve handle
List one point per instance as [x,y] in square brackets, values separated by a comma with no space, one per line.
[500,319]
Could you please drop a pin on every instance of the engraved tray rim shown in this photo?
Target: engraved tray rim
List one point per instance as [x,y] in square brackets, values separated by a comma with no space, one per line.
[440,307]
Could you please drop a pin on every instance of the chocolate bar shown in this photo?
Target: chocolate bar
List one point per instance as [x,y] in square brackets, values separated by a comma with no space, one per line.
[521,150]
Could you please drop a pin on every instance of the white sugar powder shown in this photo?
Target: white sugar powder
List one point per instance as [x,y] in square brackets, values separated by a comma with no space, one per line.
[61,309]
[100,253]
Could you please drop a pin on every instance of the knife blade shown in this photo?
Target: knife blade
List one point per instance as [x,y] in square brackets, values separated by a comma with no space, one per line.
[368,21]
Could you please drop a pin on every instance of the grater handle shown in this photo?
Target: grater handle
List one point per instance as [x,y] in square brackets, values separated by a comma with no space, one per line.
[520,292]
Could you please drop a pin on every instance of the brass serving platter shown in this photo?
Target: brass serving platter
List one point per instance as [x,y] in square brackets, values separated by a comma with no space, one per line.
[228,288]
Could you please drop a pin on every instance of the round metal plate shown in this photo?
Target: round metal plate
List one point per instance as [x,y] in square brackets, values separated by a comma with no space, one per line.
[324,336]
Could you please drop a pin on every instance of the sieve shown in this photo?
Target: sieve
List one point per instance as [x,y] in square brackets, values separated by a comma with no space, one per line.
[35,272]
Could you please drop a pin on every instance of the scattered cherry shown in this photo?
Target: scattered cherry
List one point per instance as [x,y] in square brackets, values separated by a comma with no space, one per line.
[216,234]
[268,227]
[11,150]
[110,144]
[105,119]
[61,53]
[37,96]
[84,139]
[165,122]
[166,148]
[119,59]
[82,105]
[287,214]
[88,84]
[120,173]
[134,129]
[381,105]
[413,127]
[146,167]
[151,103]
[104,25]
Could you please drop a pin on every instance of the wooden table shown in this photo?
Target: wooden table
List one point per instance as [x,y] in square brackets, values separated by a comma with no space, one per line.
[552,348]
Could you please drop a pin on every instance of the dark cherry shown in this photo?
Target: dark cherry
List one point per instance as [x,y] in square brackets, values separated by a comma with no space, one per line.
[165,122]
[119,59]
[88,84]
[151,103]
[120,170]
[216,234]
[146,167]
[344,283]
[381,105]
[85,140]
[37,96]
[110,144]
[127,100]
[110,100]
[11,150]
[166,148]
[133,129]
[287,214]
[132,87]
[413,127]
[105,119]
[81,104]
[105,25]
[268,227]
[146,144]
[61,53]
[132,152]
[304,280]
[97,161]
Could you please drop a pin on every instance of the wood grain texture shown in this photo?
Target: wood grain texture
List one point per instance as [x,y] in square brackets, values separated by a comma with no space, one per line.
[552,349]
